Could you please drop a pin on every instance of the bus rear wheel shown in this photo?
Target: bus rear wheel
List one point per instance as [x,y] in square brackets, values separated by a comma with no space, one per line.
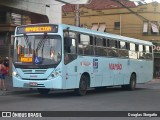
[132,84]
[43,91]
[83,85]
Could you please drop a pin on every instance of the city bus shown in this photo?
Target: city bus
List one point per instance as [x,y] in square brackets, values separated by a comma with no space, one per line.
[64,57]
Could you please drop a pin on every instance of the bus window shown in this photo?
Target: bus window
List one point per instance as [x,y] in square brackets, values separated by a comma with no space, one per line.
[99,47]
[112,51]
[107,43]
[112,43]
[118,44]
[140,48]
[123,52]
[132,47]
[144,48]
[141,54]
[150,49]
[85,47]
[122,45]
[69,50]
[99,41]
[84,39]
[147,49]
[148,55]
[137,48]
[132,52]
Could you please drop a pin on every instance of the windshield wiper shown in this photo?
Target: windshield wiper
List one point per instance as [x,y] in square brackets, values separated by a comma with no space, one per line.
[41,42]
[26,40]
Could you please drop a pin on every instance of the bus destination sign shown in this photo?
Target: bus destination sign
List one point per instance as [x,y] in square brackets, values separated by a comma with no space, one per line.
[37,29]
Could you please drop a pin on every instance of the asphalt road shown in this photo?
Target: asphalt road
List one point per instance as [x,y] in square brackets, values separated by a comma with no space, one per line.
[145,98]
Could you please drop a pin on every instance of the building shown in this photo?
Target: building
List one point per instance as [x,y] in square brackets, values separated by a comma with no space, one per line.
[121,17]
[8,22]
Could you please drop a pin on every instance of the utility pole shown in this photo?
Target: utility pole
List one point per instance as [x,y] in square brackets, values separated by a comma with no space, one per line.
[77,15]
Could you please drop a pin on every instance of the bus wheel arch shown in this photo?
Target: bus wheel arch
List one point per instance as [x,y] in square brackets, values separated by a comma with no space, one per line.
[84,84]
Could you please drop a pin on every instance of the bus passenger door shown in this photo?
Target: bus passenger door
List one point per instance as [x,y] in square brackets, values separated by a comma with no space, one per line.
[70,56]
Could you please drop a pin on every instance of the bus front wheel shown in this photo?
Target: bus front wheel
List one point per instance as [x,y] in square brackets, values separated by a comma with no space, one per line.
[83,84]
[43,91]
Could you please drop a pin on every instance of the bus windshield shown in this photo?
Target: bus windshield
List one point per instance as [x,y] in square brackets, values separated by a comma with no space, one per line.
[37,50]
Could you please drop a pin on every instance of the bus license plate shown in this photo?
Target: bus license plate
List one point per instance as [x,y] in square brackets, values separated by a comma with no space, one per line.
[33,84]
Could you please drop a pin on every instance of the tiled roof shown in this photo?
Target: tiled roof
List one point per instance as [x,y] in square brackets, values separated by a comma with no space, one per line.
[100,5]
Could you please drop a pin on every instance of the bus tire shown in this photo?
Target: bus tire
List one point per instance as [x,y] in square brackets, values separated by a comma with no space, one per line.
[43,91]
[132,84]
[83,85]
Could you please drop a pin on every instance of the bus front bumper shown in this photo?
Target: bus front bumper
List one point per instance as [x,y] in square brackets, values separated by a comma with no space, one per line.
[55,83]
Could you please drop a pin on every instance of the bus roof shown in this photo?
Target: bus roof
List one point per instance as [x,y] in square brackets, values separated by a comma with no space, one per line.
[98,33]
[104,34]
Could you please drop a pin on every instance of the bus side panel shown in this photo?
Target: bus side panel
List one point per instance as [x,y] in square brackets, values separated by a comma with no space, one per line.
[115,72]
[71,74]
[85,65]
[142,68]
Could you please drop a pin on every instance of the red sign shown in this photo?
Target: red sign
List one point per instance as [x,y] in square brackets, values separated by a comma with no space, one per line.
[115,66]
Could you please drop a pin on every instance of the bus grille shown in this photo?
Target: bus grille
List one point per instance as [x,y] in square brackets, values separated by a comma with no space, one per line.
[27,71]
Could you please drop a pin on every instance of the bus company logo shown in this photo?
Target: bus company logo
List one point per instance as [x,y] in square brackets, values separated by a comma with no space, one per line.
[115,66]
[95,63]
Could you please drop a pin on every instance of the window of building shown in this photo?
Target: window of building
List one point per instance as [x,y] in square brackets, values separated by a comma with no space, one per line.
[117,25]
[145,27]
[102,27]
[94,26]
[154,27]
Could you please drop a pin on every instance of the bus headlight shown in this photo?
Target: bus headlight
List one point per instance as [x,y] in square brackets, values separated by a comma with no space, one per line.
[15,74]
[54,75]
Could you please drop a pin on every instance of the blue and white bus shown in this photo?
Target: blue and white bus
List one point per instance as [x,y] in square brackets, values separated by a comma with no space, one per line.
[59,56]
